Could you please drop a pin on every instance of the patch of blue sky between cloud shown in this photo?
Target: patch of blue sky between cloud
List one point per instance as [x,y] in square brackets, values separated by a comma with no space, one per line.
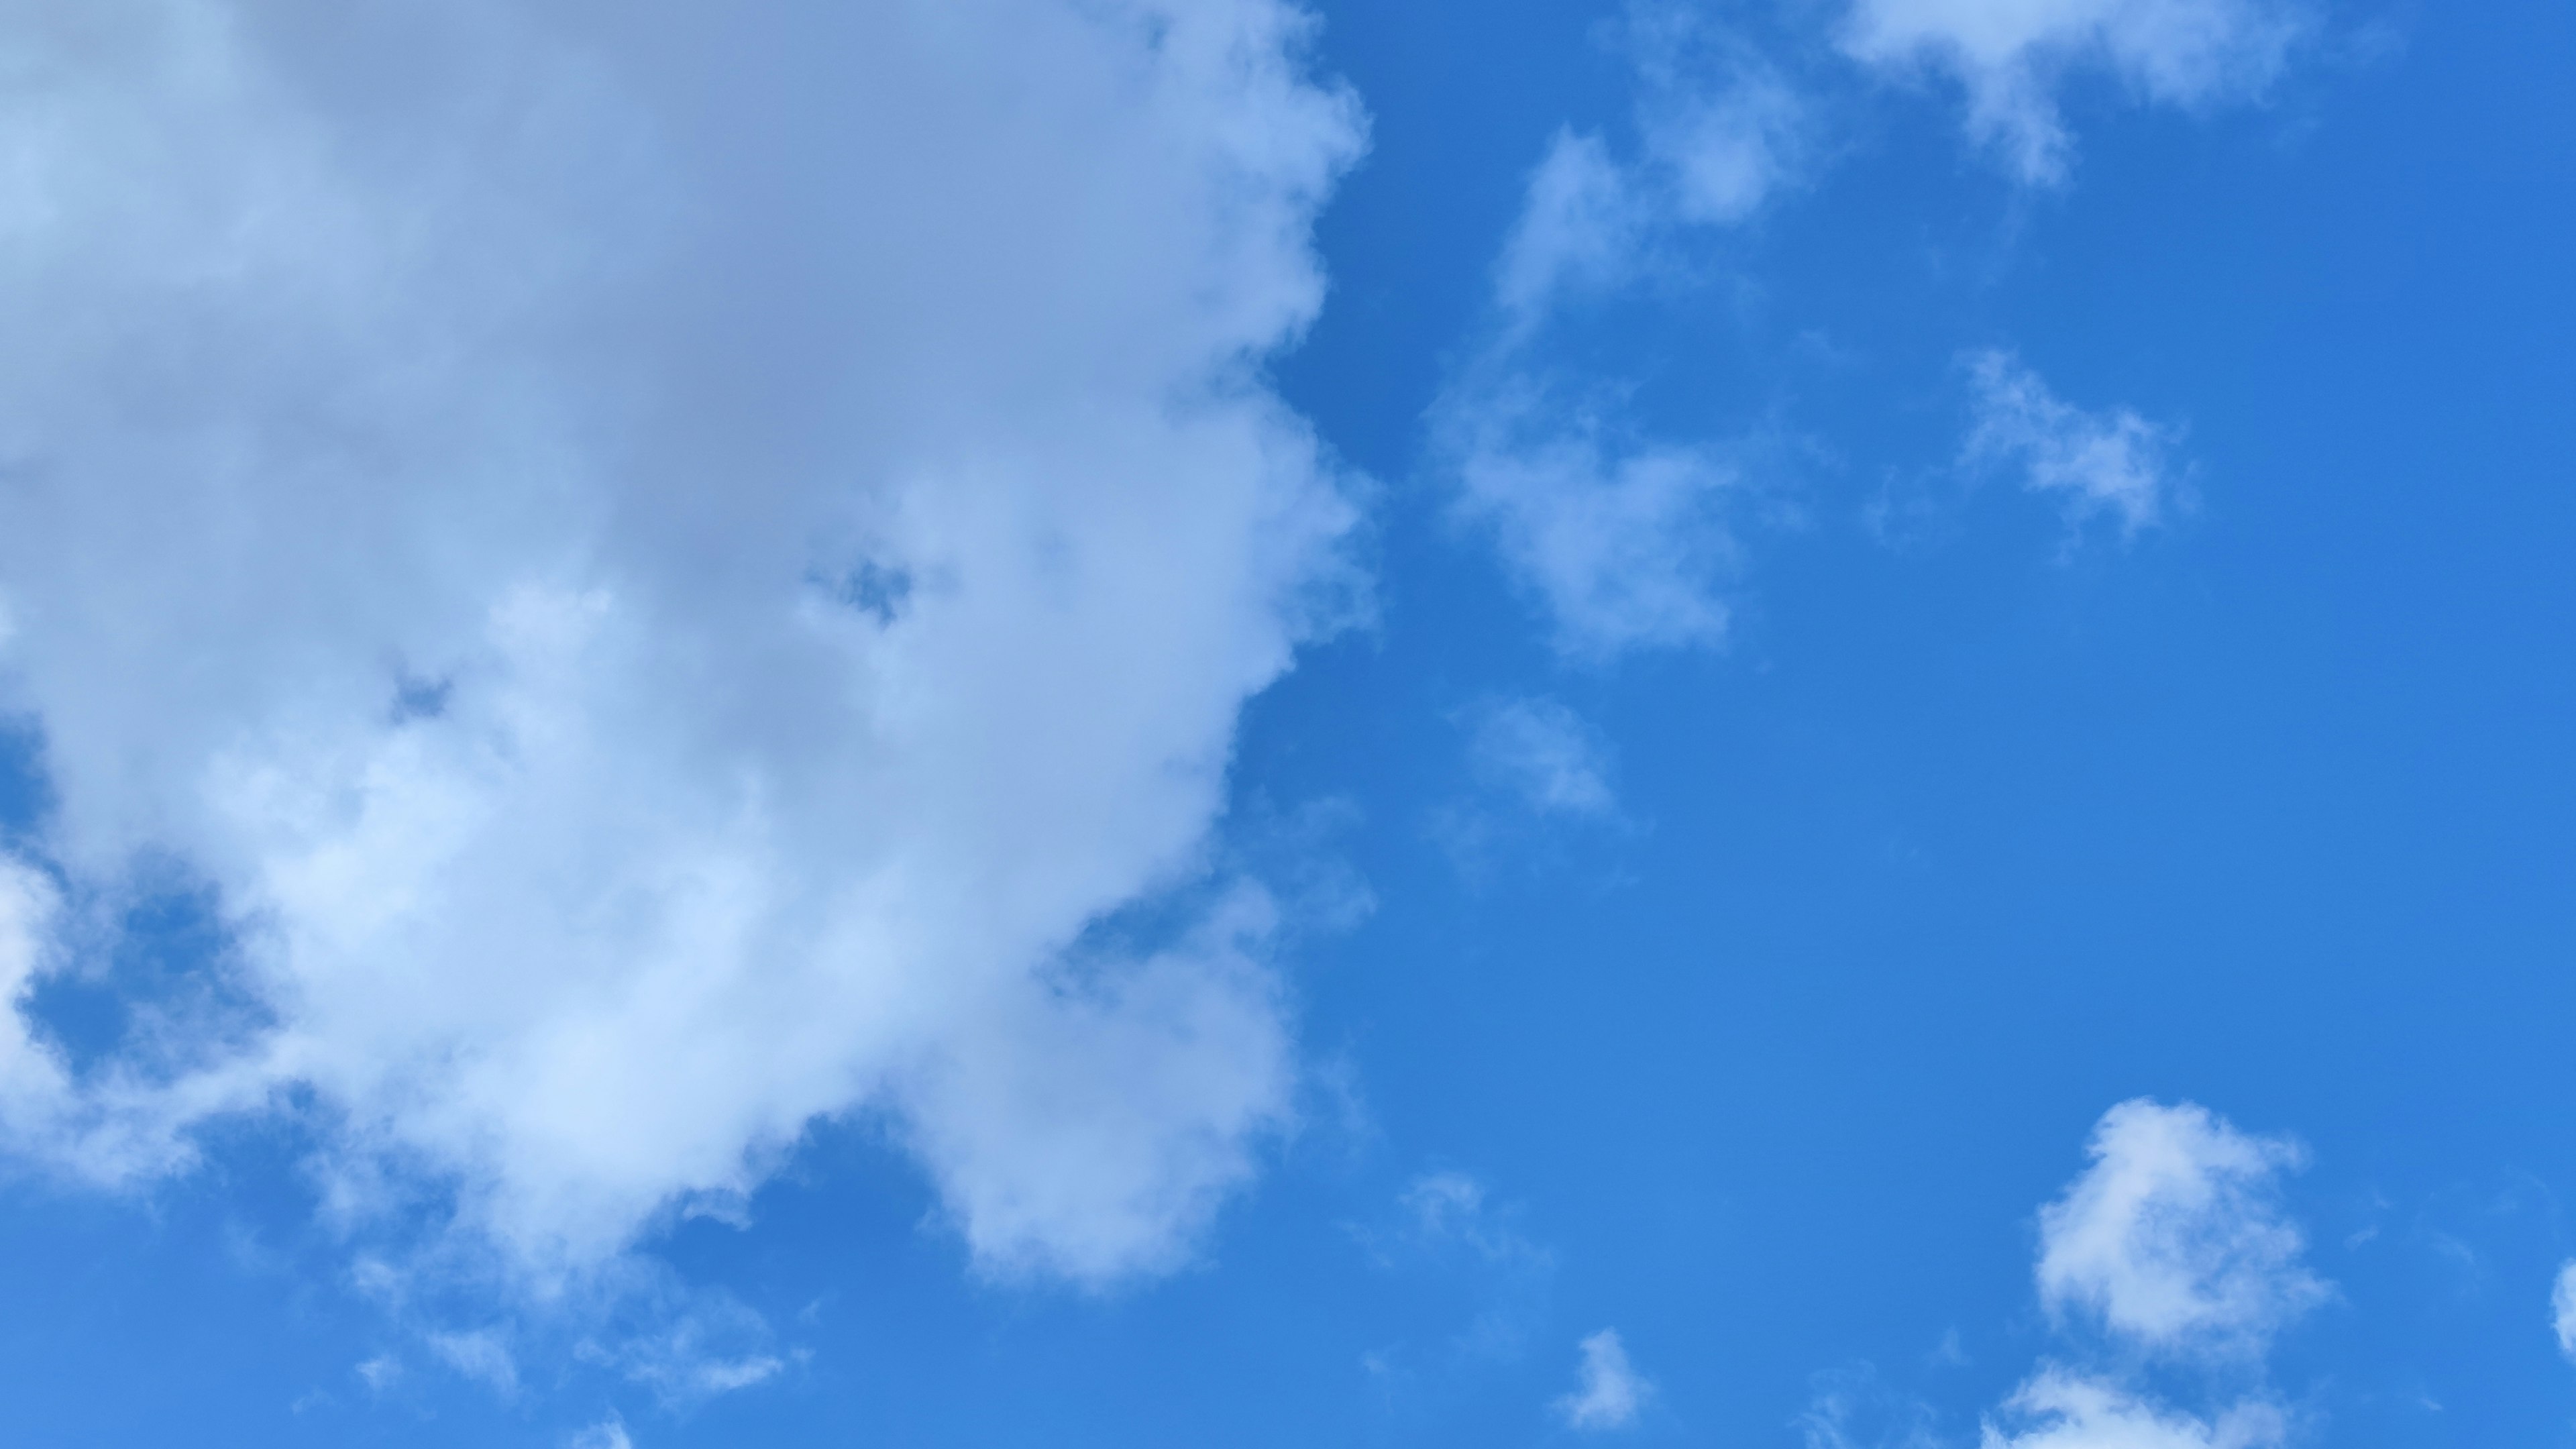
[508,384]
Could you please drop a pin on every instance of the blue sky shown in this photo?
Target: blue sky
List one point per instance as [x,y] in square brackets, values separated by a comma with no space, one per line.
[1838,724]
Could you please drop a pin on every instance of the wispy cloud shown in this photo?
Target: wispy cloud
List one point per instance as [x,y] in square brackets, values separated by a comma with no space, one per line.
[1542,756]
[2562,1310]
[1449,1207]
[380,1372]
[482,1355]
[2056,1409]
[1623,542]
[1608,1390]
[1582,226]
[1854,1409]
[1619,539]
[1449,1226]
[2110,461]
[2010,58]
[606,1434]
[1717,132]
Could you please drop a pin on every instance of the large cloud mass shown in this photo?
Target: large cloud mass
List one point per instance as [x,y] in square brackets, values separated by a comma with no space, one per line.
[661,564]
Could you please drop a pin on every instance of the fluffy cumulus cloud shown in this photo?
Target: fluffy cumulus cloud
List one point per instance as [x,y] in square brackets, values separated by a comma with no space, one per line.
[1608,1390]
[660,566]
[2173,1243]
[2011,56]
[2174,1237]
[2096,463]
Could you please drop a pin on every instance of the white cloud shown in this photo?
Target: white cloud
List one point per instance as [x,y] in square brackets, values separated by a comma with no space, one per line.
[2562,1310]
[2060,1410]
[1579,230]
[32,1078]
[381,1372]
[1719,133]
[2111,461]
[2174,1241]
[662,606]
[482,1355]
[1621,542]
[1450,1226]
[1543,755]
[1452,1207]
[698,1345]
[1616,539]
[1854,1409]
[2175,1236]
[1608,1390]
[2010,56]
[1724,130]
[606,1434]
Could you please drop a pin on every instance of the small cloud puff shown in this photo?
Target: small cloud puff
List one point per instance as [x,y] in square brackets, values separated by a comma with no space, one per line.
[482,1355]
[2174,1238]
[1542,754]
[2174,1241]
[1608,1391]
[1620,541]
[2111,461]
[380,1373]
[1721,132]
[607,1434]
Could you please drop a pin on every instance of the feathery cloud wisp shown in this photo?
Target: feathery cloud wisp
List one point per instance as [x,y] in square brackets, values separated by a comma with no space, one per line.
[2107,462]
[1617,540]
[1544,756]
[2010,58]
